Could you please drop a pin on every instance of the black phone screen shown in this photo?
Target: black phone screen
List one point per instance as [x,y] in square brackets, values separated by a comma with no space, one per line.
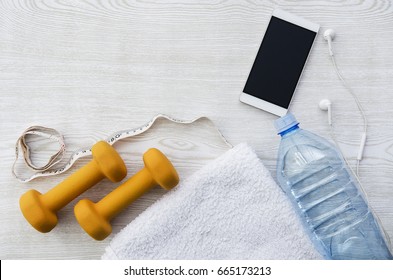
[279,62]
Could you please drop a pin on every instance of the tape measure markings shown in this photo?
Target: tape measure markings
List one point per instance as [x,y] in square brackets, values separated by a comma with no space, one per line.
[51,133]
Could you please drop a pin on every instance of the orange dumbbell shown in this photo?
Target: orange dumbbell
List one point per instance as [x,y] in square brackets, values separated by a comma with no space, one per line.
[94,218]
[40,209]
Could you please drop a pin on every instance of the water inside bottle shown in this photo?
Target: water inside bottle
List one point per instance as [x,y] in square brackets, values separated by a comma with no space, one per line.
[326,196]
[329,201]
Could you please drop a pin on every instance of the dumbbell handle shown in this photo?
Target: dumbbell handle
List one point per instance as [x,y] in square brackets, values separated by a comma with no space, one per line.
[125,194]
[73,186]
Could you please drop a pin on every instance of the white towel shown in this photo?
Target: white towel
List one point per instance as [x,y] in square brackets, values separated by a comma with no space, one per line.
[230,209]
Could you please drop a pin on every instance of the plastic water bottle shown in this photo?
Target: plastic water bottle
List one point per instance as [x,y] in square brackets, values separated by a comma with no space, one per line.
[326,196]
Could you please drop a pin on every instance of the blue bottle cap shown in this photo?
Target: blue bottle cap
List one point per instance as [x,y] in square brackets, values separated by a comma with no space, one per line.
[285,123]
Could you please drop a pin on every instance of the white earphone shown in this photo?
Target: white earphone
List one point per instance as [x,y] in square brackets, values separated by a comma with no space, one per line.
[326,104]
[329,35]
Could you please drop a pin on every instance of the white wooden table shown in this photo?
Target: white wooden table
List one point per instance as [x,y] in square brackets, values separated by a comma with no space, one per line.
[90,68]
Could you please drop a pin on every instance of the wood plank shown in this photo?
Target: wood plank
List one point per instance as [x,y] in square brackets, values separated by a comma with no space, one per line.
[89,68]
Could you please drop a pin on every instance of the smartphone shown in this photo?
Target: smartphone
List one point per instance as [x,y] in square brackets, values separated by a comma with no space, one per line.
[279,62]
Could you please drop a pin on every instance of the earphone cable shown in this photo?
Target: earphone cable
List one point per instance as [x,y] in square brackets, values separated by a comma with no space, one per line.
[385,234]
[365,125]
[359,105]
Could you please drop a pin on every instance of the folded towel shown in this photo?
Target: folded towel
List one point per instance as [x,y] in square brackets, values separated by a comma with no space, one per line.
[230,209]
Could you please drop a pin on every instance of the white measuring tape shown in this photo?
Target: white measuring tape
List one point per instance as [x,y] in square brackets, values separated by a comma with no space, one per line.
[51,133]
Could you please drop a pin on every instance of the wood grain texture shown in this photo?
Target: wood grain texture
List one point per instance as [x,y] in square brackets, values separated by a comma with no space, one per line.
[89,68]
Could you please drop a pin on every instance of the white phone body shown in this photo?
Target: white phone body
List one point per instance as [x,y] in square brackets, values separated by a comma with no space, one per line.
[265,97]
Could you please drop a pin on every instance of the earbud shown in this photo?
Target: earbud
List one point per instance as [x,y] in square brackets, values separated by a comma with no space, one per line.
[326,105]
[329,35]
